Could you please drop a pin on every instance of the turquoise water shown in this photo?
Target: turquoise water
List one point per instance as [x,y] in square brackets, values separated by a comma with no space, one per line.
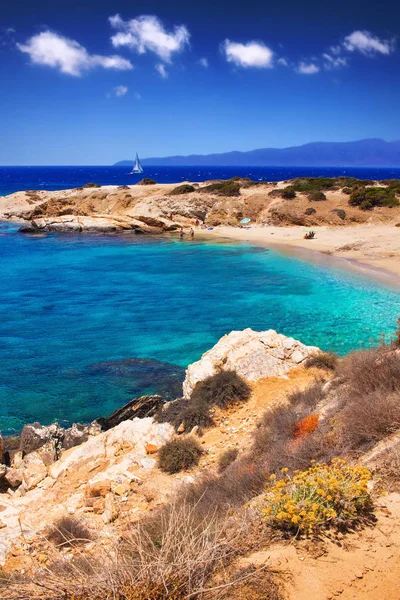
[73,308]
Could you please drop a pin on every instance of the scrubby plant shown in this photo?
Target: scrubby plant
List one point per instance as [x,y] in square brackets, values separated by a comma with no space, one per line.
[227,458]
[322,496]
[179,454]
[317,196]
[288,193]
[368,198]
[306,426]
[222,188]
[69,531]
[322,360]
[310,211]
[340,213]
[185,188]
[195,412]
[223,389]
[91,184]
[347,190]
[147,181]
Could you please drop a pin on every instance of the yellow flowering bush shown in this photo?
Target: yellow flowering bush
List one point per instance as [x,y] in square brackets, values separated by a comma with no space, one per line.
[321,496]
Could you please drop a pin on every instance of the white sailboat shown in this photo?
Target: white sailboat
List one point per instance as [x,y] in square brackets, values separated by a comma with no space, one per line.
[137,167]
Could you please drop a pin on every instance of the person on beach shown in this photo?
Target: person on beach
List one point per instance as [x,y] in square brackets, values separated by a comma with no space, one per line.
[181,233]
[192,232]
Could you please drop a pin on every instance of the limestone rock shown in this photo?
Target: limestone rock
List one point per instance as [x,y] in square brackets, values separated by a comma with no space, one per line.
[35,435]
[110,509]
[13,477]
[75,435]
[33,471]
[253,355]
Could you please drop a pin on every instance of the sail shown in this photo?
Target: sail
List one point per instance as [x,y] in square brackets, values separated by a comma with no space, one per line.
[137,167]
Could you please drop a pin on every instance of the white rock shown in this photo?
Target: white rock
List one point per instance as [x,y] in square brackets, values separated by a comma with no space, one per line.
[33,471]
[253,355]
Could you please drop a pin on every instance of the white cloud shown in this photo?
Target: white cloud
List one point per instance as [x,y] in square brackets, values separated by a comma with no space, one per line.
[203,62]
[121,90]
[307,68]
[366,43]
[283,62]
[162,71]
[252,54]
[147,34]
[334,62]
[53,50]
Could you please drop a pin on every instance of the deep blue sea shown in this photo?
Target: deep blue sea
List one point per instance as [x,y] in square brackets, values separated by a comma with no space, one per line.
[89,322]
[13,179]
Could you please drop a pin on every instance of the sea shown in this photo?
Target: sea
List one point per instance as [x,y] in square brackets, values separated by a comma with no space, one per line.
[88,322]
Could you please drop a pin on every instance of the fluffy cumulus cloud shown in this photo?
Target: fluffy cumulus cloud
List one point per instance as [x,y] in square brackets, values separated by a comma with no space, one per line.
[161,70]
[147,34]
[307,68]
[252,54]
[366,43]
[49,48]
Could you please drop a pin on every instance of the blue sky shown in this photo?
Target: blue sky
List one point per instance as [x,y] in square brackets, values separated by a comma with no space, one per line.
[92,82]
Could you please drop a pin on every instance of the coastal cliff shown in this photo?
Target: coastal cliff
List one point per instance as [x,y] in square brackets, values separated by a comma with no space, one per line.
[158,208]
[93,493]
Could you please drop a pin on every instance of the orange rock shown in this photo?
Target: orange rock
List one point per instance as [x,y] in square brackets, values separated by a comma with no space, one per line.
[151,448]
[100,488]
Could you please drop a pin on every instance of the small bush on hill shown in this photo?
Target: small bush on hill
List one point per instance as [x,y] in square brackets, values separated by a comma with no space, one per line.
[288,193]
[185,188]
[91,185]
[317,196]
[227,458]
[223,389]
[222,188]
[69,531]
[147,181]
[340,213]
[179,454]
[368,198]
[347,190]
[196,412]
[306,426]
[310,211]
[322,360]
[322,496]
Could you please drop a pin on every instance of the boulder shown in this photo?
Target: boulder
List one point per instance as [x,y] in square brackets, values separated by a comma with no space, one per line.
[13,477]
[35,435]
[253,355]
[33,471]
[141,408]
[75,435]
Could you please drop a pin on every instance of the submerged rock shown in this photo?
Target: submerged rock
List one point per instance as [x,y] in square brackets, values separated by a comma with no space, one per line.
[147,374]
[253,355]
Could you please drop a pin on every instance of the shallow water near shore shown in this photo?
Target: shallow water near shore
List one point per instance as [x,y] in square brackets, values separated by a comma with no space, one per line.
[74,308]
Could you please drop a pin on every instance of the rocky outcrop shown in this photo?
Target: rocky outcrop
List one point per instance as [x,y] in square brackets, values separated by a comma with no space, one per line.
[145,406]
[253,355]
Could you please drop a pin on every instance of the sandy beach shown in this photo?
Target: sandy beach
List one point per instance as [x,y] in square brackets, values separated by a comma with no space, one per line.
[372,248]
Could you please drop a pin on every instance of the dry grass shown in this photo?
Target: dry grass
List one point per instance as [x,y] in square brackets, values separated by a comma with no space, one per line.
[227,458]
[69,531]
[179,454]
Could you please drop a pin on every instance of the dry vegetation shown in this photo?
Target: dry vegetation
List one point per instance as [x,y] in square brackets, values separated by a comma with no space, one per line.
[188,547]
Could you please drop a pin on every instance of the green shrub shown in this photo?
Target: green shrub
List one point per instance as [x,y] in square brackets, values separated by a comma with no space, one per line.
[185,188]
[310,211]
[179,454]
[222,188]
[317,196]
[347,190]
[147,181]
[340,213]
[227,458]
[368,198]
[322,360]
[320,497]
[223,389]
[196,412]
[288,193]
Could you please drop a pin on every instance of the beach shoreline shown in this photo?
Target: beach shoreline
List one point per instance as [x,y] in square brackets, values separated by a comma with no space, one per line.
[374,253]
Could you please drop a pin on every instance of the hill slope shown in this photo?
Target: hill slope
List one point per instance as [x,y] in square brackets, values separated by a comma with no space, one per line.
[361,153]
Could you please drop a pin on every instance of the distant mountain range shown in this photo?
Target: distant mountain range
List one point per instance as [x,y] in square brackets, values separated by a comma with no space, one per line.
[361,153]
